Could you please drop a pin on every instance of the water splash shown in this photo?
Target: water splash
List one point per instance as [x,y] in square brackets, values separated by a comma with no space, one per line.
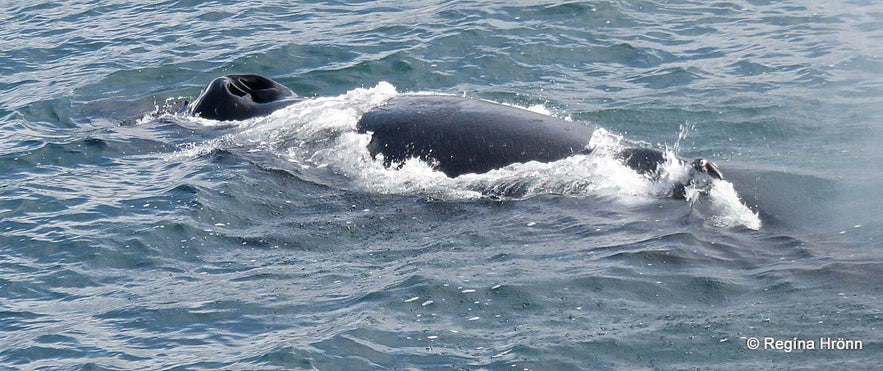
[719,206]
[713,202]
[684,131]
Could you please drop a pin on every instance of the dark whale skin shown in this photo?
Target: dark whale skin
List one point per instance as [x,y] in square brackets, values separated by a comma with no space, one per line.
[462,135]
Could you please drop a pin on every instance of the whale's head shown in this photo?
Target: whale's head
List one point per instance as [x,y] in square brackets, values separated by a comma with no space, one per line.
[240,97]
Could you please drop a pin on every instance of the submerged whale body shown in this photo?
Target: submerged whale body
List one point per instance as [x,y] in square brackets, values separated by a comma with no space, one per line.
[456,135]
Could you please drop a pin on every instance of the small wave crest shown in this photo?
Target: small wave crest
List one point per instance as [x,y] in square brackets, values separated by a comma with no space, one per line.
[319,138]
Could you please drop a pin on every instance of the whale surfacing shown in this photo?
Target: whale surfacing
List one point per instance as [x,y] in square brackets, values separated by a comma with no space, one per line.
[461,135]
[455,135]
[240,97]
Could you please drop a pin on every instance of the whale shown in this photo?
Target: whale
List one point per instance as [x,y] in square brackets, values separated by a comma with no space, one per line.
[240,97]
[456,135]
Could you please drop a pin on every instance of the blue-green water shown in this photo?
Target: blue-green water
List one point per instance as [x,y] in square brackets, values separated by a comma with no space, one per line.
[134,238]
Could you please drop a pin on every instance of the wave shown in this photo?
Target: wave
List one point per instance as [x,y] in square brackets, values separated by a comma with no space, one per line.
[319,141]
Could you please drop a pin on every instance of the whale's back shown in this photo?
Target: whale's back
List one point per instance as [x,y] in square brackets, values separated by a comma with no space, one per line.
[462,135]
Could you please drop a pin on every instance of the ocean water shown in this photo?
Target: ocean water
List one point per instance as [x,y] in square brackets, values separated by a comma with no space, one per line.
[132,237]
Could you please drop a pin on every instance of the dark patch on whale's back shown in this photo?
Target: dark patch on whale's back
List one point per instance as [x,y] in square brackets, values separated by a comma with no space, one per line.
[462,135]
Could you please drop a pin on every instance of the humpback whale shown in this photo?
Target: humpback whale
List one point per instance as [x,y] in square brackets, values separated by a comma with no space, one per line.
[456,135]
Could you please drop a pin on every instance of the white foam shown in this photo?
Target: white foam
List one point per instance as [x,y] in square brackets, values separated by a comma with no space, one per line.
[718,205]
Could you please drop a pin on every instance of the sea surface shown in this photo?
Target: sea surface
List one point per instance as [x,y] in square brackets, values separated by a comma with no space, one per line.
[135,238]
